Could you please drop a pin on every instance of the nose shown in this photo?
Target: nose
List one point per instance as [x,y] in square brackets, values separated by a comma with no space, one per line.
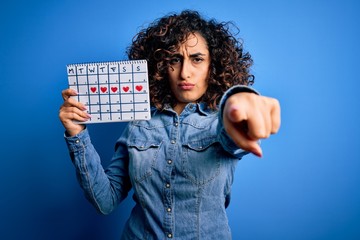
[185,70]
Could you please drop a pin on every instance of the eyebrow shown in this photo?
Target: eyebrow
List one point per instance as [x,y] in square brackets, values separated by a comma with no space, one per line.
[197,54]
[191,55]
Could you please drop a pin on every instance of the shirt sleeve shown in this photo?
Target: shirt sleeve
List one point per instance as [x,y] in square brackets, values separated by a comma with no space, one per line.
[227,143]
[105,189]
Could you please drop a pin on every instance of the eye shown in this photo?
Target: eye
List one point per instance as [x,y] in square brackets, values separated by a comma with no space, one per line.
[175,60]
[198,59]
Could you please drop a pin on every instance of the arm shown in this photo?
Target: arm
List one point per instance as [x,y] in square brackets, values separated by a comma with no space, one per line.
[105,189]
[248,117]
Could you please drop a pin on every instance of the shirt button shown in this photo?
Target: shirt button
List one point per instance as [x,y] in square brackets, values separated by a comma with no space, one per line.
[176,124]
[173,141]
[167,185]
[168,209]
[77,141]
[169,235]
[169,161]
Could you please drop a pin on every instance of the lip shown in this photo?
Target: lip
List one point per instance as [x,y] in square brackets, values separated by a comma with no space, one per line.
[186,86]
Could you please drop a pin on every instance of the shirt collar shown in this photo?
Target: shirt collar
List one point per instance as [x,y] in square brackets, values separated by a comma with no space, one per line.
[204,109]
[201,108]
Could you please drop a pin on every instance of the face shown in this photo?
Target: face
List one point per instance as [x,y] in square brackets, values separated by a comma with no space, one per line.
[189,71]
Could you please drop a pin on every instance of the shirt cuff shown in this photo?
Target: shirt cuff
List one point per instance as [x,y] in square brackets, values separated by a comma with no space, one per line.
[78,141]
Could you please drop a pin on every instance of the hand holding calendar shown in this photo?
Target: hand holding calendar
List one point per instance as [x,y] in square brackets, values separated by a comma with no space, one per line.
[72,112]
[106,92]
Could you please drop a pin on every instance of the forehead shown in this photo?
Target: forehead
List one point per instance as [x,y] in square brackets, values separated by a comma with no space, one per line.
[194,42]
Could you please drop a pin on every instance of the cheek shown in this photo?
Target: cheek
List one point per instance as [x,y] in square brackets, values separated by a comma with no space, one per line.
[171,77]
[205,81]
[204,87]
[173,74]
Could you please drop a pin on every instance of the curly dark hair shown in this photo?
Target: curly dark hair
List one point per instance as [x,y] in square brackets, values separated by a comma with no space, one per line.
[229,65]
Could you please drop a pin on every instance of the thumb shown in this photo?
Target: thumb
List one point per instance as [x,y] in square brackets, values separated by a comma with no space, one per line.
[236,114]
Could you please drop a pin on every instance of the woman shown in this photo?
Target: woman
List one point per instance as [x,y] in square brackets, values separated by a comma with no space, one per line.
[204,119]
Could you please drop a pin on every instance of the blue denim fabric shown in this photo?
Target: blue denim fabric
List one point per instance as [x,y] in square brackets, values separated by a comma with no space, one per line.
[180,167]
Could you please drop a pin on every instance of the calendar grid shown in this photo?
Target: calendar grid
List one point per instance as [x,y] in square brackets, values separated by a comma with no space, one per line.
[112,91]
[120,93]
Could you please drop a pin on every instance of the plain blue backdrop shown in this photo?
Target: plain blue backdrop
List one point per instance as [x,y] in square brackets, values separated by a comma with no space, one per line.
[306,54]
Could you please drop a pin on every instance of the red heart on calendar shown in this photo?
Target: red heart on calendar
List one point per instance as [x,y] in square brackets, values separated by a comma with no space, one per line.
[103,89]
[139,87]
[126,89]
[93,89]
[114,89]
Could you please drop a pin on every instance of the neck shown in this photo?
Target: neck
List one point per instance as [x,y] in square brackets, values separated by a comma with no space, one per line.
[179,107]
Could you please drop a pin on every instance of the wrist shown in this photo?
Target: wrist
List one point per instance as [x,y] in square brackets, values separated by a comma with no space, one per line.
[74,131]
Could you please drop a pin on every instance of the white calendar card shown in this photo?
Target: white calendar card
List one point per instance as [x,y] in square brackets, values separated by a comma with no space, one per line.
[112,91]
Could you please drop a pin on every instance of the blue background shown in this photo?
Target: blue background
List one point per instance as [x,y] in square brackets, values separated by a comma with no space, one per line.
[306,54]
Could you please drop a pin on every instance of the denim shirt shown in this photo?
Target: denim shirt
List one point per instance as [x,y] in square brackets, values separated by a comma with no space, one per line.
[181,168]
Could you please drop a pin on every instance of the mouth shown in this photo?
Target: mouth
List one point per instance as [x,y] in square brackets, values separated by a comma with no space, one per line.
[186,86]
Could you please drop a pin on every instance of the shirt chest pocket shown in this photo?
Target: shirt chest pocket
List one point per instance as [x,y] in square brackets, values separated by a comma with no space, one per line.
[201,160]
[143,156]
